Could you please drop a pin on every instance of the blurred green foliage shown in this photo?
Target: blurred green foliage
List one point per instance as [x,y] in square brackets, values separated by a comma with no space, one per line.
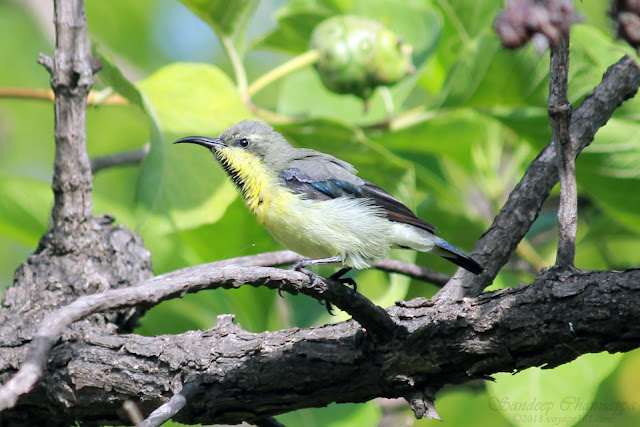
[464,128]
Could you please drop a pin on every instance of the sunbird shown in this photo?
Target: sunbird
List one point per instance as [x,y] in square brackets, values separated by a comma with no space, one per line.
[315,204]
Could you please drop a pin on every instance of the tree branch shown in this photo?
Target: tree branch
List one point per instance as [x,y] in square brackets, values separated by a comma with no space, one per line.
[247,376]
[493,249]
[119,159]
[71,79]
[278,258]
[560,117]
[165,412]
[177,284]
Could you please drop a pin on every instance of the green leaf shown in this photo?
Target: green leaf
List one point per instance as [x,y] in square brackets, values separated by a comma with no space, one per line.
[192,97]
[25,207]
[469,19]
[463,21]
[112,76]
[335,415]
[181,187]
[449,133]
[530,123]
[296,22]
[468,72]
[592,52]
[229,19]
[545,397]
[612,161]
[462,406]
[420,27]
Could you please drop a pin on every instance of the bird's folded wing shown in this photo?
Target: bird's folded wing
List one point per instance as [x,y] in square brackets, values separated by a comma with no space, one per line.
[349,185]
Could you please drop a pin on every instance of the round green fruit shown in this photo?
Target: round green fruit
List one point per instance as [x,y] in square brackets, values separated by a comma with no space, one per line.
[358,54]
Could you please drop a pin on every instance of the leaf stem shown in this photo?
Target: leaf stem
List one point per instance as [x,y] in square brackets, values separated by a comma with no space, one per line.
[294,64]
[236,63]
[412,117]
[270,116]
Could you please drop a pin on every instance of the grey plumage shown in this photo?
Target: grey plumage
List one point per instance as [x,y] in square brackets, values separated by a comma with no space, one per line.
[334,211]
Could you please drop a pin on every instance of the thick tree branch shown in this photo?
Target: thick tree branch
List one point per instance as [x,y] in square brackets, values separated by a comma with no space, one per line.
[71,79]
[192,279]
[247,376]
[409,351]
[176,284]
[493,249]
[560,116]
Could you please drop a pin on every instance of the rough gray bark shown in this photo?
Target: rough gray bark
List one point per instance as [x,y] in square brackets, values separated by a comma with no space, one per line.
[246,376]
[410,350]
[80,254]
[71,80]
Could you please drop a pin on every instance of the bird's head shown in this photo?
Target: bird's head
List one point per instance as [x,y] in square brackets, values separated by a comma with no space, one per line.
[246,141]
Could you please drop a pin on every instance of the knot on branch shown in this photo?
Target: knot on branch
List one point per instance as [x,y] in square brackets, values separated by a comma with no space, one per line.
[560,110]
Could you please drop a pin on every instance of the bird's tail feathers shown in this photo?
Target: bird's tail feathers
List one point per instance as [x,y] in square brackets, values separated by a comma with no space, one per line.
[456,256]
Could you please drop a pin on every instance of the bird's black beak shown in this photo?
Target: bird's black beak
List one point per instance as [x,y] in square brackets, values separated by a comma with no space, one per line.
[210,143]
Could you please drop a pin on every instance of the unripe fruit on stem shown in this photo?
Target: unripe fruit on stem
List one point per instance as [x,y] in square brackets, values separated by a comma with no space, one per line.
[358,54]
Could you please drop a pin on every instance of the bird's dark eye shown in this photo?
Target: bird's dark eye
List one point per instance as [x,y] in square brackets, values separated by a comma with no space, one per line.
[244,143]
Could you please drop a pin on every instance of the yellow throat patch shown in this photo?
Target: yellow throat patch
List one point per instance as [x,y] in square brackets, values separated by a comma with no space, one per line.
[256,183]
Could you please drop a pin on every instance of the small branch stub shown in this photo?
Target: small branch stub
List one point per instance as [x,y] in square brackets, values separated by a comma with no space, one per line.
[422,404]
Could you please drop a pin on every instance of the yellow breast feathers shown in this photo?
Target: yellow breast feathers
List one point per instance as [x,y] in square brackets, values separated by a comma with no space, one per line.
[257,184]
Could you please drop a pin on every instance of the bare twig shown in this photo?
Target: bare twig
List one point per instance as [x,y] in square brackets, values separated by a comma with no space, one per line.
[493,249]
[169,409]
[412,270]
[560,117]
[94,98]
[422,404]
[119,159]
[272,259]
[133,412]
[371,317]
[27,92]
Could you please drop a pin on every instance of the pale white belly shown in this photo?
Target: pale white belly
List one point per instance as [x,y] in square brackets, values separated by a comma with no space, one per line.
[351,228]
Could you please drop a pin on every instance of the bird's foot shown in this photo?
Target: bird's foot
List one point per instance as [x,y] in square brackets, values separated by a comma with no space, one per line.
[315,279]
[300,266]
